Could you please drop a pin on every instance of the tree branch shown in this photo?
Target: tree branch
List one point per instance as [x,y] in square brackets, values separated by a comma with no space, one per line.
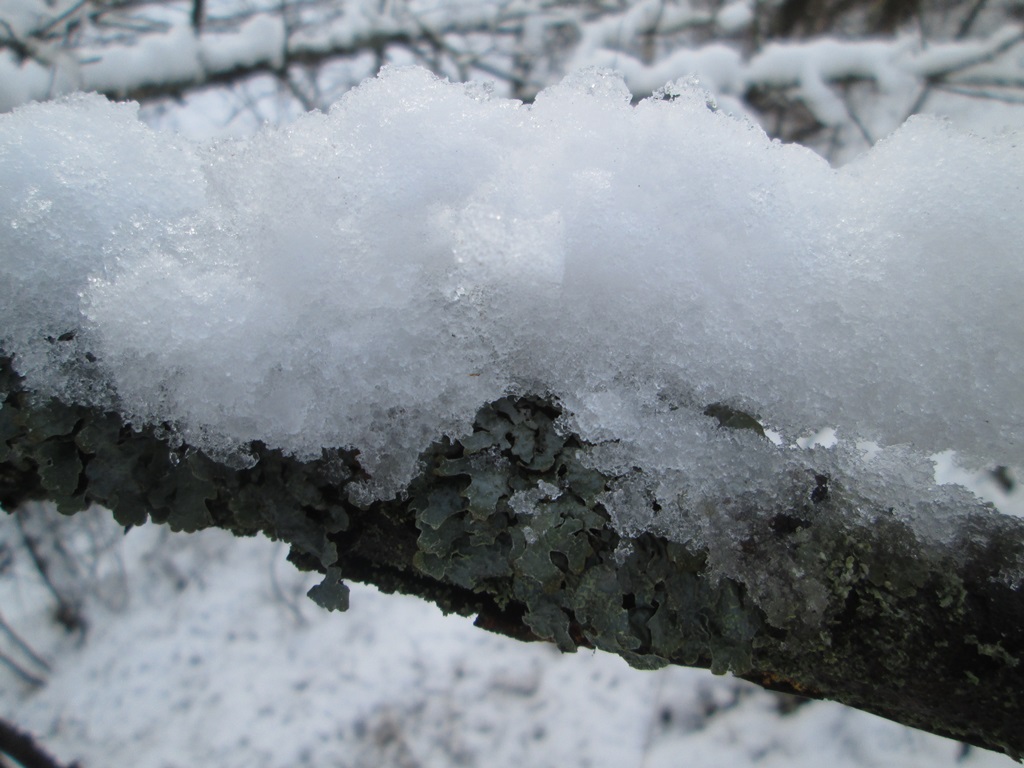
[23,748]
[930,635]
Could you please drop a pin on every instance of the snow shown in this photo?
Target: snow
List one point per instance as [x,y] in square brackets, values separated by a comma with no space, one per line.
[174,55]
[179,55]
[22,16]
[202,650]
[21,81]
[373,276]
[734,17]
[646,16]
[812,64]
[716,66]
[260,39]
[891,62]
[947,57]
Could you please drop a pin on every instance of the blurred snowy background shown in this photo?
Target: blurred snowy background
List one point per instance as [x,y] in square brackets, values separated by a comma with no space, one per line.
[164,650]
[836,75]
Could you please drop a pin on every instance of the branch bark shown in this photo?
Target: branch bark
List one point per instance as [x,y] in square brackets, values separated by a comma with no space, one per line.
[22,748]
[930,636]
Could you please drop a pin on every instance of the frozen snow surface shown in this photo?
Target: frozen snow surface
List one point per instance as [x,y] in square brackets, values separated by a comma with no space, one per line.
[372,276]
[202,650]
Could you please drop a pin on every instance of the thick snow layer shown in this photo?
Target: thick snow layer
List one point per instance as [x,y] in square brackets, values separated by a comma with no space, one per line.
[372,276]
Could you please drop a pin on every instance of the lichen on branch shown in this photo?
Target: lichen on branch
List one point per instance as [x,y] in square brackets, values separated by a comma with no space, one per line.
[509,524]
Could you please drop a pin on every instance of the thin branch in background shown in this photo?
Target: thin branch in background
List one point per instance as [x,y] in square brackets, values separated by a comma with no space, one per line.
[648,36]
[982,58]
[288,83]
[982,93]
[135,25]
[291,603]
[251,104]
[68,612]
[60,18]
[19,47]
[289,24]
[198,13]
[919,102]
[494,71]
[23,645]
[855,119]
[834,143]
[969,19]
[104,549]
[922,29]
[970,81]
[32,547]
[938,80]
[436,43]
[32,679]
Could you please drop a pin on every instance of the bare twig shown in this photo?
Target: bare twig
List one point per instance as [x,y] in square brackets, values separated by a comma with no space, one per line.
[61,17]
[855,119]
[23,645]
[34,680]
[68,611]
[21,50]
[982,93]
[973,61]
[198,14]
[970,18]
[308,102]
[919,102]
[291,603]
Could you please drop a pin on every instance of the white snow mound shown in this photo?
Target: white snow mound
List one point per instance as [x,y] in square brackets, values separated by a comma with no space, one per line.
[372,276]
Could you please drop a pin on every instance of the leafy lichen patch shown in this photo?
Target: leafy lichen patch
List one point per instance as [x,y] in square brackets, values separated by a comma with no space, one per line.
[826,596]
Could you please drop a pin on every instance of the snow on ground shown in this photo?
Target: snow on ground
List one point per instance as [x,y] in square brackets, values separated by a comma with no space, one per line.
[203,651]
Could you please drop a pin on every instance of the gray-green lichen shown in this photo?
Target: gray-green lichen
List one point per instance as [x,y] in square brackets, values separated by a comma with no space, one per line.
[521,518]
[820,593]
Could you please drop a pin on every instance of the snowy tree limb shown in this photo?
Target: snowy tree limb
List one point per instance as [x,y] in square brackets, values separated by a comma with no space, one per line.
[929,633]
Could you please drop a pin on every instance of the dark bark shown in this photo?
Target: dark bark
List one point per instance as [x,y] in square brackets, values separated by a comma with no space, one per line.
[24,750]
[930,635]
[198,15]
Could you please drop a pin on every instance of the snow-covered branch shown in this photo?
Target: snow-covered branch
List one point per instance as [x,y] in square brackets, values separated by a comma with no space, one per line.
[821,593]
[552,364]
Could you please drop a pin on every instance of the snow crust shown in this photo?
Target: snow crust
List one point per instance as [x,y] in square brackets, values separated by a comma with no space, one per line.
[372,276]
